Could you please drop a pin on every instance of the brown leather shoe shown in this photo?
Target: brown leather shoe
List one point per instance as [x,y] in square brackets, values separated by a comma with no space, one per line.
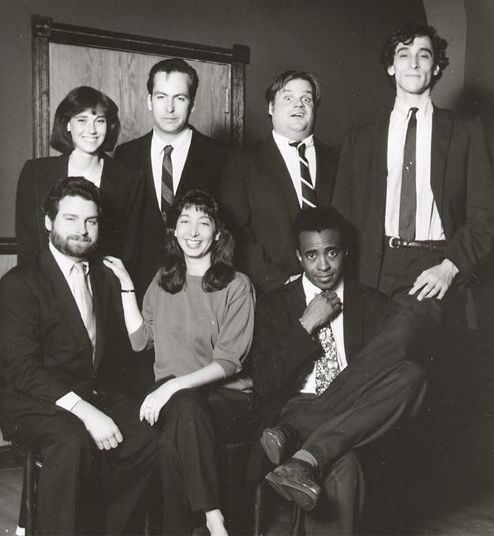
[279,443]
[294,480]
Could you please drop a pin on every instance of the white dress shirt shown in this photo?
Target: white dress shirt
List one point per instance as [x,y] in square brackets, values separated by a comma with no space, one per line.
[65,264]
[290,156]
[428,224]
[310,291]
[179,154]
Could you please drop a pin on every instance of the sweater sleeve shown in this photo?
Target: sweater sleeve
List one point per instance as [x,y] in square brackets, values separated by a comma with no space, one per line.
[143,337]
[235,336]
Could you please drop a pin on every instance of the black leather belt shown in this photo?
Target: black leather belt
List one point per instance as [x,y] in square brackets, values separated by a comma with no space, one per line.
[432,245]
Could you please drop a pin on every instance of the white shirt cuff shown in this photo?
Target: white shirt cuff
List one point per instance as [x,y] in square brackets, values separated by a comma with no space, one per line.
[68,401]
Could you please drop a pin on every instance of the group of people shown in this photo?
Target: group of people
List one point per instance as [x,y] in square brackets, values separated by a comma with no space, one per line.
[156,255]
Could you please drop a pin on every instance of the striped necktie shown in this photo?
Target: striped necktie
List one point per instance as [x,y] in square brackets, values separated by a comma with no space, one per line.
[327,366]
[309,197]
[166,180]
[84,299]
[408,196]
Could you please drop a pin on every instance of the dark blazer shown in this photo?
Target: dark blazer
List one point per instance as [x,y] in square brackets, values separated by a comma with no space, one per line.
[283,353]
[202,169]
[461,179]
[45,351]
[258,196]
[121,189]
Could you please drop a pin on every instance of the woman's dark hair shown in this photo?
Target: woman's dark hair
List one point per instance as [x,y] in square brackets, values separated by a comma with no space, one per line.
[406,34]
[171,276]
[78,100]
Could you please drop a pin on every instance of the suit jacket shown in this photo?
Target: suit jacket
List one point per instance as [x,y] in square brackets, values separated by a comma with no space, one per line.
[45,351]
[202,169]
[258,196]
[461,180]
[121,189]
[283,353]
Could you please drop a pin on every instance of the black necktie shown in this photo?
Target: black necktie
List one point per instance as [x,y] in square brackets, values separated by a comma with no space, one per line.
[309,197]
[408,197]
[166,180]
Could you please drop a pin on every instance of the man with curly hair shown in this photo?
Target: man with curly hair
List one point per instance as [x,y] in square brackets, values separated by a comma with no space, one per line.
[417,183]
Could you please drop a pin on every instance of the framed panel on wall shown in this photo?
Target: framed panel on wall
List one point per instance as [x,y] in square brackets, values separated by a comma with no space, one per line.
[66,56]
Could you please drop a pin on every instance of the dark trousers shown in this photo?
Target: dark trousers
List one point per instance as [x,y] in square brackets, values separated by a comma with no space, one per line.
[190,426]
[82,490]
[359,407]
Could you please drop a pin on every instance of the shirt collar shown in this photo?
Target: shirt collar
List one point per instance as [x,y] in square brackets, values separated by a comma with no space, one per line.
[401,108]
[311,291]
[157,144]
[282,140]
[64,263]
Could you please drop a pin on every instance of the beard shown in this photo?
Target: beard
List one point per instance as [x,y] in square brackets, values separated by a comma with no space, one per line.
[77,246]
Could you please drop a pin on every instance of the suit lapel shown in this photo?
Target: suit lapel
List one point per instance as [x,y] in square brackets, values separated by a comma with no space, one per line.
[100,305]
[442,124]
[191,164]
[148,172]
[278,174]
[296,301]
[380,165]
[325,173]
[353,320]
[68,307]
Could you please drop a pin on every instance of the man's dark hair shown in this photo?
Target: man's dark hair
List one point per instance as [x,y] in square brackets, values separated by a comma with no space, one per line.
[78,100]
[71,187]
[406,34]
[321,219]
[172,273]
[174,65]
[282,80]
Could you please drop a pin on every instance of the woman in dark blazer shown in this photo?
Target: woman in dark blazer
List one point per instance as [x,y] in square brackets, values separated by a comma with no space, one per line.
[86,125]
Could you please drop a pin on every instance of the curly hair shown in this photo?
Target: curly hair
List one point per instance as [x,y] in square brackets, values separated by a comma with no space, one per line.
[406,34]
[171,276]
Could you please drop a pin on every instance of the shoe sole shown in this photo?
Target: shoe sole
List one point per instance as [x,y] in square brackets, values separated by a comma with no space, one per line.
[302,496]
[272,448]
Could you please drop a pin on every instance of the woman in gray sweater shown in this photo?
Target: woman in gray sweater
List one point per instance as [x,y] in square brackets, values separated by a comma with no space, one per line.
[198,313]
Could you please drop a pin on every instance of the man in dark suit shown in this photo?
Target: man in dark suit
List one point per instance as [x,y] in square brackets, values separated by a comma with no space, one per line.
[417,183]
[330,367]
[63,344]
[174,157]
[264,186]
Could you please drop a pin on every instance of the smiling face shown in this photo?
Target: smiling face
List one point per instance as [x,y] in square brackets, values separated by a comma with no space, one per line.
[195,232]
[414,67]
[170,103]
[321,255]
[88,130]
[293,110]
[74,230]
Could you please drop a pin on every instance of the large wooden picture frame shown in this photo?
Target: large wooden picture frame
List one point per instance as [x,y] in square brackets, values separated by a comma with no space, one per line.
[120,63]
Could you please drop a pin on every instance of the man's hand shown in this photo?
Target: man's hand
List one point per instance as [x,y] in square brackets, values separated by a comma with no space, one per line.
[151,407]
[102,429]
[322,309]
[435,282]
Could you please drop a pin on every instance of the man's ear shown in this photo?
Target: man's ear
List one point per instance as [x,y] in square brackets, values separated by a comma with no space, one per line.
[435,72]
[48,223]
[270,108]
[391,70]
[150,108]
[299,257]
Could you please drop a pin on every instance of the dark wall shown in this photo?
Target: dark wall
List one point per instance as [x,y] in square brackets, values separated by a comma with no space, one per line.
[340,40]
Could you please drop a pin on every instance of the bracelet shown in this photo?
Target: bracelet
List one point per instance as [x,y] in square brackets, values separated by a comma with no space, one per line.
[127,290]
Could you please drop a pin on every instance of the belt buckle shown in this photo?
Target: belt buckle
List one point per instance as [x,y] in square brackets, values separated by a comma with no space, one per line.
[391,242]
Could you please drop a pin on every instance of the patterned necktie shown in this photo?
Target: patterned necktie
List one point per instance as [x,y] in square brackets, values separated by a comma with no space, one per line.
[327,366]
[408,200]
[166,180]
[309,197]
[84,299]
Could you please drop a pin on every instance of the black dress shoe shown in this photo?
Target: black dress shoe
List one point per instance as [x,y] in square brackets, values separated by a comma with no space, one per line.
[294,480]
[279,442]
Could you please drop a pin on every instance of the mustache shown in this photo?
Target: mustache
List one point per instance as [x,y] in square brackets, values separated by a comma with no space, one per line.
[80,238]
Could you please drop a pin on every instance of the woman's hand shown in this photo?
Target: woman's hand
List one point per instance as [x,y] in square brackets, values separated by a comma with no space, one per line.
[118,268]
[151,407]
